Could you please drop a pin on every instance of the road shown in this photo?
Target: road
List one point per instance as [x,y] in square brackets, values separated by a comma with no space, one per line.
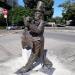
[60,44]
[65,36]
[10,45]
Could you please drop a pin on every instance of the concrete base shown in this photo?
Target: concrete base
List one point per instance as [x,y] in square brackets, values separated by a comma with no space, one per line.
[26,54]
[14,65]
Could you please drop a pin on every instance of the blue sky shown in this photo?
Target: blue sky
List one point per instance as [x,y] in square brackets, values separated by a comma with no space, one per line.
[57,10]
[20,2]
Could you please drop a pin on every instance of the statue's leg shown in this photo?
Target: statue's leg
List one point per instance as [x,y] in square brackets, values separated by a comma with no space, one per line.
[33,56]
[41,51]
[23,44]
[42,55]
[47,63]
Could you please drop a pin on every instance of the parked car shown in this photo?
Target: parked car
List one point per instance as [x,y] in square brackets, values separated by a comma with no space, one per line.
[11,27]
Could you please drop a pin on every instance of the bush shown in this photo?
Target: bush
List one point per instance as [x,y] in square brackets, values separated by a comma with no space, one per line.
[2,27]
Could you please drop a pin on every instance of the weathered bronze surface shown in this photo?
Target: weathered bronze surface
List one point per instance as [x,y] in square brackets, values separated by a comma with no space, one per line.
[33,36]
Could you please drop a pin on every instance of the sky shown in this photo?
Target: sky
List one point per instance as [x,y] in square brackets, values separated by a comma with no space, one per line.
[57,10]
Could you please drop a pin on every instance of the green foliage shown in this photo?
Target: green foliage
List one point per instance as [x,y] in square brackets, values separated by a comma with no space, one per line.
[16,14]
[1,16]
[2,21]
[49,7]
[30,3]
[2,27]
[69,10]
[58,20]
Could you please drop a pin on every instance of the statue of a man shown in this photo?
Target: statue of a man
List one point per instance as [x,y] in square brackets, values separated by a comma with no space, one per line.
[35,30]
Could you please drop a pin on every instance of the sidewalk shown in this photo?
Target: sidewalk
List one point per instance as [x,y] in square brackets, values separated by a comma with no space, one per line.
[60,29]
[11,66]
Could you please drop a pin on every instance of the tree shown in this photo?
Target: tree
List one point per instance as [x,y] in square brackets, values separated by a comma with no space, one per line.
[16,15]
[58,20]
[49,7]
[30,3]
[2,21]
[68,10]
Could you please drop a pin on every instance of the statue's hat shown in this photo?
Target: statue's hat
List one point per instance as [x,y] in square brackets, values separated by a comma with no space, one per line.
[40,7]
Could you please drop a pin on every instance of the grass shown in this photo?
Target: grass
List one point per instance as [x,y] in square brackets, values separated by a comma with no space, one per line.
[2,27]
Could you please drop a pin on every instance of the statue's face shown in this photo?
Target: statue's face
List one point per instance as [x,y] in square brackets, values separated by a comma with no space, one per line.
[38,15]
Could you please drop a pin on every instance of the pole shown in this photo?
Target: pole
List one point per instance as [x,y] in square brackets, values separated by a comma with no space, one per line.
[6,22]
[12,15]
[5,13]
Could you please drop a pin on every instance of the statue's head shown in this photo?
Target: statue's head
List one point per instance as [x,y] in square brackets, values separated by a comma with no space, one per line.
[38,15]
[39,12]
[40,6]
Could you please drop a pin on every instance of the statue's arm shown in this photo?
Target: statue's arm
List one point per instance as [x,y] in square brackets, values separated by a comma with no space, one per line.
[27,21]
[37,29]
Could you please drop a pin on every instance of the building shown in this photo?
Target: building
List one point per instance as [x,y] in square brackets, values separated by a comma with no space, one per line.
[52,24]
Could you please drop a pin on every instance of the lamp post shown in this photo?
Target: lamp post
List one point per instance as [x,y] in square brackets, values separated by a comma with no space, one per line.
[12,14]
[5,13]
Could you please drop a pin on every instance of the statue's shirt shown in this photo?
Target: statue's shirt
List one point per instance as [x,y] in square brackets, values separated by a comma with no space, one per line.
[37,29]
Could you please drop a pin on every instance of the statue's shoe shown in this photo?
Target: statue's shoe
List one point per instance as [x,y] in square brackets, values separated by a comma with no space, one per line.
[48,64]
[38,67]
[23,70]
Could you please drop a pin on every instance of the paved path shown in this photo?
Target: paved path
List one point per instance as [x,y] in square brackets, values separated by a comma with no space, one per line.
[60,51]
[11,66]
[65,36]
[10,46]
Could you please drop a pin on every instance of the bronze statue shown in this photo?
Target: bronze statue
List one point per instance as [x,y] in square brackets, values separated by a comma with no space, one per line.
[33,37]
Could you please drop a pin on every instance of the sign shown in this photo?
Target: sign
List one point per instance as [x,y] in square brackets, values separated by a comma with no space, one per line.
[5,16]
[5,11]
